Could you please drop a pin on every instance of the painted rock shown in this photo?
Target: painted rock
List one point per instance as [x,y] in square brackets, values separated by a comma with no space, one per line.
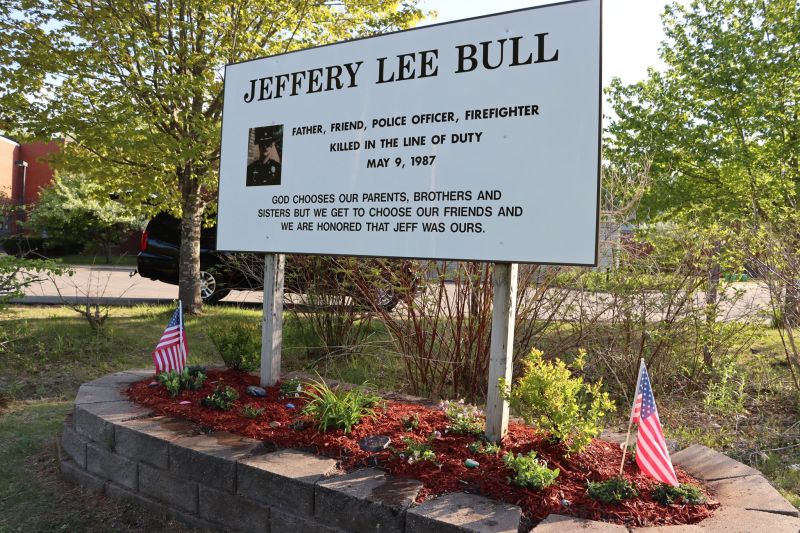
[256,391]
[471,463]
[374,443]
[274,424]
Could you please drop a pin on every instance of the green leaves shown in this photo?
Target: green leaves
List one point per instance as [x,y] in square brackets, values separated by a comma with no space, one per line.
[529,471]
[338,409]
[549,397]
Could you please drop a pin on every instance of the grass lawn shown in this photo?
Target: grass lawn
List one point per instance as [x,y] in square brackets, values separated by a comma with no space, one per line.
[46,353]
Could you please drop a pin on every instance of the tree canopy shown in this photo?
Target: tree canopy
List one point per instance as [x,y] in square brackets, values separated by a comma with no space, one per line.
[720,126]
[136,87]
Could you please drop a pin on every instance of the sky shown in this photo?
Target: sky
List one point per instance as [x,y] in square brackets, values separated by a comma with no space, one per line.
[632,30]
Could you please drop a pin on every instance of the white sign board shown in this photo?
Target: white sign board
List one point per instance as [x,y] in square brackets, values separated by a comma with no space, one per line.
[477,140]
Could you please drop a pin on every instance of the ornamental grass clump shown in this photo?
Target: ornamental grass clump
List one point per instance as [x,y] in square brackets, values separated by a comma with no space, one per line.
[190,378]
[682,494]
[549,397]
[530,471]
[338,409]
[613,491]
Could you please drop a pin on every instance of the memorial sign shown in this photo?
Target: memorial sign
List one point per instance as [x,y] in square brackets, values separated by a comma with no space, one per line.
[476,140]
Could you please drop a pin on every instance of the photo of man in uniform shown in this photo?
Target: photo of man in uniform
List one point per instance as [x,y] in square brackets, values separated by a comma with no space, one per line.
[264,161]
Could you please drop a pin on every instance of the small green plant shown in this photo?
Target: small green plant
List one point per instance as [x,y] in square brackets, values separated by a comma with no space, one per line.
[291,388]
[222,398]
[463,419]
[612,490]
[191,378]
[410,422]
[549,397]
[529,471]
[239,344]
[417,451]
[683,494]
[483,447]
[338,409]
[251,411]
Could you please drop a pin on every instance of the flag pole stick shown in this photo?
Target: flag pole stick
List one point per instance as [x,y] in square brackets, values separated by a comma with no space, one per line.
[630,420]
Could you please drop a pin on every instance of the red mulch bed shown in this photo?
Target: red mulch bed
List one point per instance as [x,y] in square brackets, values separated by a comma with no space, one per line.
[598,462]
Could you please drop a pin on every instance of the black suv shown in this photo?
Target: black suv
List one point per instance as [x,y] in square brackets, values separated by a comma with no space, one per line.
[370,282]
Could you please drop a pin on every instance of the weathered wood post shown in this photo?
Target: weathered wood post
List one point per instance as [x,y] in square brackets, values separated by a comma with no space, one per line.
[501,350]
[272,320]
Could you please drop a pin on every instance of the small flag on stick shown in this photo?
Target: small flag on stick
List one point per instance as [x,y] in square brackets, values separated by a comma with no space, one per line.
[651,448]
[171,352]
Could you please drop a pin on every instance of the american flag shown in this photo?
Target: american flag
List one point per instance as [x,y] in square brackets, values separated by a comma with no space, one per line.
[171,351]
[651,449]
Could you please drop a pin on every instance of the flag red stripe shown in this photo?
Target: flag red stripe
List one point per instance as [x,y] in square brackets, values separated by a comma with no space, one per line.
[655,465]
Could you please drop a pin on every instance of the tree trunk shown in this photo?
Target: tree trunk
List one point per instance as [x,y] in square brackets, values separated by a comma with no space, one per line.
[191,225]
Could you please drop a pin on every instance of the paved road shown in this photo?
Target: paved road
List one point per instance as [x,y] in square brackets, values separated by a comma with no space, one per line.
[116,286]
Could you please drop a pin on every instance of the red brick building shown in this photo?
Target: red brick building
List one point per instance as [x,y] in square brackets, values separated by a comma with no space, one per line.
[23,171]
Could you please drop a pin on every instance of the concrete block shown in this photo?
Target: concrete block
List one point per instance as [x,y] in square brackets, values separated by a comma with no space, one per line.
[685,528]
[147,439]
[77,475]
[365,500]
[210,459]
[283,479]
[73,444]
[709,465]
[753,493]
[121,380]
[733,520]
[96,420]
[90,394]
[233,512]
[282,522]
[157,508]
[163,487]
[107,465]
[459,512]
[556,523]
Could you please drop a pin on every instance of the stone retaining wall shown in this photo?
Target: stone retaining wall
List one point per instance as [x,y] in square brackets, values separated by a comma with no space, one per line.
[223,481]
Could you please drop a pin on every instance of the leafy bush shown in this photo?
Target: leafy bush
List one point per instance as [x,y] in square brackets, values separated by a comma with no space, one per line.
[463,419]
[417,451]
[291,388]
[549,397]
[222,398]
[410,422]
[335,408]
[483,447]
[612,490]
[684,493]
[239,344]
[529,471]
[191,378]
[251,411]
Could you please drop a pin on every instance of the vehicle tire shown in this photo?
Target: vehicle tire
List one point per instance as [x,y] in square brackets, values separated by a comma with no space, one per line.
[210,290]
[382,296]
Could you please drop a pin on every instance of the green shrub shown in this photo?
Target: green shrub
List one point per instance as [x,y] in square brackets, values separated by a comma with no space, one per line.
[251,411]
[612,490]
[549,397]
[529,471]
[418,451]
[191,378]
[463,419]
[684,494]
[410,422]
[483,447]
[239,344]
[222,398]
[291,388]
[338,409]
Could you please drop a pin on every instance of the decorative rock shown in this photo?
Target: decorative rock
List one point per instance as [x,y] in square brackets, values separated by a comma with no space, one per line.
[274,424]
[374,443]
[565,502]
[254,390]
[471,463]
[290,406]
[185,402]
[152,384]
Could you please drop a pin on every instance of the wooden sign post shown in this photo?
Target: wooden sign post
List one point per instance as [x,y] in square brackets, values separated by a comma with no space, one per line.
[272,320]
[501,350]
